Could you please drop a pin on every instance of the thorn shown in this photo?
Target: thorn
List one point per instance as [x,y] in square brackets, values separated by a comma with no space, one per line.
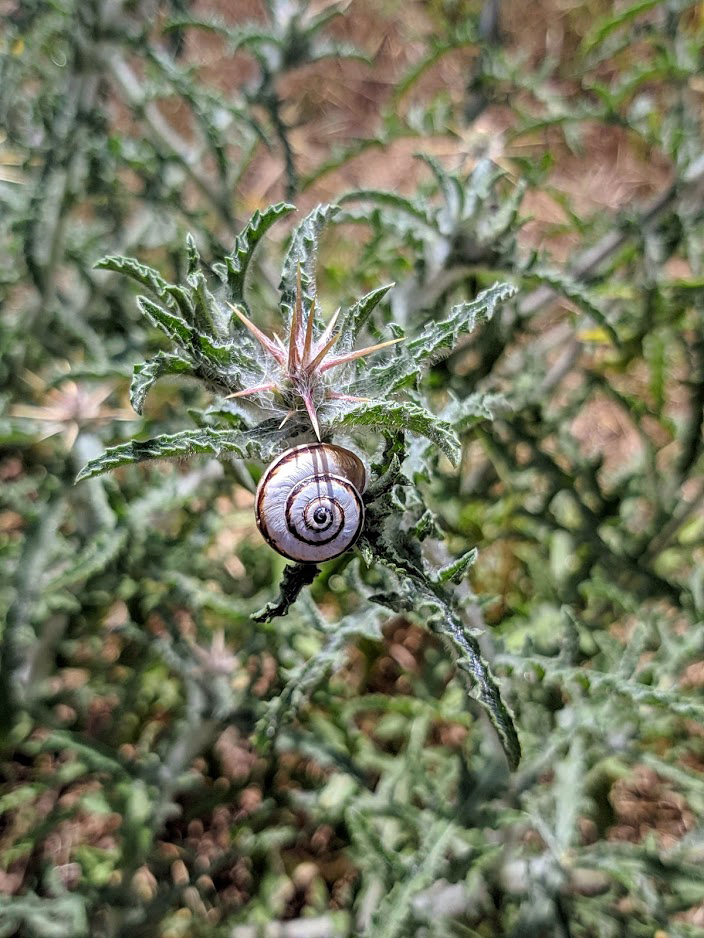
[296,323]
[286,419]
[310,407]
[309,335]
[342,359]
[265,341]
[328,329]
[254,390]
[321,354]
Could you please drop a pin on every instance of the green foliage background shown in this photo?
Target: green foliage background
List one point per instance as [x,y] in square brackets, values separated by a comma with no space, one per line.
[171,766]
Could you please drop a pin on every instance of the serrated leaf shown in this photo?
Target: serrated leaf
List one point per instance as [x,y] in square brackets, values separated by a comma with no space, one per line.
[147,373]
[142,273]
[305,678]
[237,263]
[455,572]
[466,413]
[90,561]
[209,317]
[576,292]
[606,26]
[393,417]
[471,662]
[172,325]
[450,186]
[243,445]
[435,342]
[392,915]
[46,916]
[569,786]
[478,188]
[423,597]
[171,294]
[391,200]
[357,315]
[438,339]
[182,300]
[426,526]
[220,352]
[303,251]
[192,256]
[494,225]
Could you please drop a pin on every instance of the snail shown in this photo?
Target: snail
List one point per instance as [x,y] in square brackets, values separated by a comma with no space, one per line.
[308,505]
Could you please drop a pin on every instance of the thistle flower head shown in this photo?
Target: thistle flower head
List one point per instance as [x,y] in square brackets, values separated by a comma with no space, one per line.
[303,362]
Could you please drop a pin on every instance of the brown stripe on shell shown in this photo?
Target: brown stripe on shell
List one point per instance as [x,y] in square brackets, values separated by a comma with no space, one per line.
[302,484]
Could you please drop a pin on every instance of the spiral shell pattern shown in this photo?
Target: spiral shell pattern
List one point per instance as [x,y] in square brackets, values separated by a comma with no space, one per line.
[308,504]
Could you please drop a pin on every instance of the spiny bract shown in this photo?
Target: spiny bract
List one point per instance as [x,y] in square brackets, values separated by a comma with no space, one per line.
[303,361]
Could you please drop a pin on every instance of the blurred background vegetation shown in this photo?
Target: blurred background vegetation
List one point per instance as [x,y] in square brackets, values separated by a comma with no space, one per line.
[168,766]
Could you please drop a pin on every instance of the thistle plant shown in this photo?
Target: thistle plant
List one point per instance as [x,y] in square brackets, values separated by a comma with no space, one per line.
[169,767]
[472,224]
[272,391]
[314,383]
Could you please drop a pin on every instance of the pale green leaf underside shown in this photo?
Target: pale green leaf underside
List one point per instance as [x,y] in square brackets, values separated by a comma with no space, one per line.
[147,373]
[242,445]
[434,343]
[394,417]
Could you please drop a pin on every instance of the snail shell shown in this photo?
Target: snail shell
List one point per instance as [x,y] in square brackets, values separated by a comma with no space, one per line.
[308,504]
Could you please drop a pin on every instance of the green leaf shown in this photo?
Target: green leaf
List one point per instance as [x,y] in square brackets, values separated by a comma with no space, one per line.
[491,226]
[574,291]
[464,414]
[392,915]
[146,276]
[221,352]
[438,339]
[172,325]
[419,596]
[435,342]
[450,186]
[304,679]
[469,660]
[243,445]
[303,250]
[607,26]
[237,263]
[392,417]
[455,572]
[44,916]
[171,294]
[357,315]
[147,373]
[182,300]
[569,794]
[208,316]
[391,200]
[426,526]
[95,558]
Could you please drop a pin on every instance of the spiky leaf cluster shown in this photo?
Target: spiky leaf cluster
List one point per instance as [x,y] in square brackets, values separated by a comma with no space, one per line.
[467,221]
[309,381]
